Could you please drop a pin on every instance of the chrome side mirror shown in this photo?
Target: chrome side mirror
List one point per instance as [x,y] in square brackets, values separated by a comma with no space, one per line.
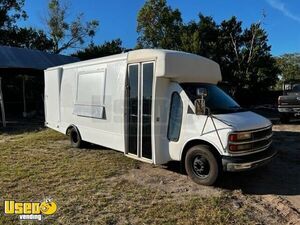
[200,104]
[201,92]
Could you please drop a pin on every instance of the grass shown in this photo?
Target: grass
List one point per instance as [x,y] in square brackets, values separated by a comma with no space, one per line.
[88,187]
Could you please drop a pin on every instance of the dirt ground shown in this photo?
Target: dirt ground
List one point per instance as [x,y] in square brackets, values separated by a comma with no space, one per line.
[112,189]
[276,185]
[282,176]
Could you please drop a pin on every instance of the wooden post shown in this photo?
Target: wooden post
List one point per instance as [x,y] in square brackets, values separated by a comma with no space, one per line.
[2,105]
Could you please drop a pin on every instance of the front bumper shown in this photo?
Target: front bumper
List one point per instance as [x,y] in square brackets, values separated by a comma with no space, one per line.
[248,162]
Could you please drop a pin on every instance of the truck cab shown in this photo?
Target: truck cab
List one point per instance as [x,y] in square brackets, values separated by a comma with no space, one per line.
[289,102]
[229,136]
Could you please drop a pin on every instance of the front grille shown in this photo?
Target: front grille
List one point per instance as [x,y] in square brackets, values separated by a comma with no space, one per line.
[261,144]
[260,140]
[261,134]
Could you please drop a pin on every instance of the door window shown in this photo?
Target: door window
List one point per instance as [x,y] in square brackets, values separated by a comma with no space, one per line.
[133,108]
[146,110]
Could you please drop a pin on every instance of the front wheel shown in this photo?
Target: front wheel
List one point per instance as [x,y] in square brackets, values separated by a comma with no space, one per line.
[201,165]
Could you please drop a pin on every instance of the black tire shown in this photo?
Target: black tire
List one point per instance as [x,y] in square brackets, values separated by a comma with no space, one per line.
[75,138]
[284,118]
[201,165]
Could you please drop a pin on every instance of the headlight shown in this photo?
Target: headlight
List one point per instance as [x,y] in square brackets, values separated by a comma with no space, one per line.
[244,136]
[240,137]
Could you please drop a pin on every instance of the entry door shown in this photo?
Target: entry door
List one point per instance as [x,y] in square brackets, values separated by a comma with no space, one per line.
[139,94]
[52,97]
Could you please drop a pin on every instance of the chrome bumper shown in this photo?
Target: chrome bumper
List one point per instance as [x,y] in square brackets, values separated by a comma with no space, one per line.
[242,163]
[290,110]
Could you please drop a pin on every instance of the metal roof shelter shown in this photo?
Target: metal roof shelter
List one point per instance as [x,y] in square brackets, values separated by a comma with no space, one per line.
[25,61]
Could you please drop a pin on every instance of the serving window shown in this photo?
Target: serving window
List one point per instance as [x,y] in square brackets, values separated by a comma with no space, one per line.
[90,94]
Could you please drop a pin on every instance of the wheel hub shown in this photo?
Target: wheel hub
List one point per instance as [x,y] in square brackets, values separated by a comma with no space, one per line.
[201,166]
[74,137]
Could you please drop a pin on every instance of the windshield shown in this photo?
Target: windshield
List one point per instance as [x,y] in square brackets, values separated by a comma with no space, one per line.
[216,100]
[296,88]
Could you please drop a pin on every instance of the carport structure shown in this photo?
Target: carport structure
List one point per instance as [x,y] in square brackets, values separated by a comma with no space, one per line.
[22,80]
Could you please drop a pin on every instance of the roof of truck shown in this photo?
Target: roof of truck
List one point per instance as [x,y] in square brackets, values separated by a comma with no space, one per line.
[179,66]
[176,65]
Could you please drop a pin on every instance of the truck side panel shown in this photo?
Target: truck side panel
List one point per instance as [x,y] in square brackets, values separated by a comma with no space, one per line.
[95,105]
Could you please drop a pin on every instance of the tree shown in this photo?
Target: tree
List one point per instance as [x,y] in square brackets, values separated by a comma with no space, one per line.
[158,25]
[246,60]
[10,12]
[26,38]
[243,54]
[289,65]
[200,37]
[96,51]
[10,34]
[67,35]
[230,38]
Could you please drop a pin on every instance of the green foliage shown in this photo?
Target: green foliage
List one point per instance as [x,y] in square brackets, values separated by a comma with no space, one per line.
[96,51]
[10,12]
[66,35]
[200,37]
[10,34]
[243,54]
[26,38]
[158,25]
[245,57]
[289,65]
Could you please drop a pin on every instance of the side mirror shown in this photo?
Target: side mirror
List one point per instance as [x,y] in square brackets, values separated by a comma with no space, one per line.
[201,92]
[200,104]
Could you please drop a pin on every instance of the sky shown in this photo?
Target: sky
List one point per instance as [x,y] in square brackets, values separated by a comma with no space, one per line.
[118,17]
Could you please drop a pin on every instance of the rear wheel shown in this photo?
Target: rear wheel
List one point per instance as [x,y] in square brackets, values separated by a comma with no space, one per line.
[75,138]
[201,165]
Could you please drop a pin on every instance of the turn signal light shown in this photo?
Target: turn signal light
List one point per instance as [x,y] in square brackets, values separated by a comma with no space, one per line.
[235,148]
[233,137]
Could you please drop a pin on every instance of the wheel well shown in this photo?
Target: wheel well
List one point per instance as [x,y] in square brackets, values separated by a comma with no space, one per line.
[193,143]
[72,126]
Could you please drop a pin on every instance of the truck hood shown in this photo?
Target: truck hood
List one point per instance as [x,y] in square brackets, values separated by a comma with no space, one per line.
[243,121]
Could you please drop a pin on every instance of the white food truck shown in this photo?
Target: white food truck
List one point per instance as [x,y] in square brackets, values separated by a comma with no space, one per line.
[157,106]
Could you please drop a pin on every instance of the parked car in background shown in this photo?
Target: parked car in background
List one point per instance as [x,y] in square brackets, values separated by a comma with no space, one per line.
[289,103]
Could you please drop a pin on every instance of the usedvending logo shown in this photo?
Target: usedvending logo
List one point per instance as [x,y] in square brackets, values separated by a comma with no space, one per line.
[30,210]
